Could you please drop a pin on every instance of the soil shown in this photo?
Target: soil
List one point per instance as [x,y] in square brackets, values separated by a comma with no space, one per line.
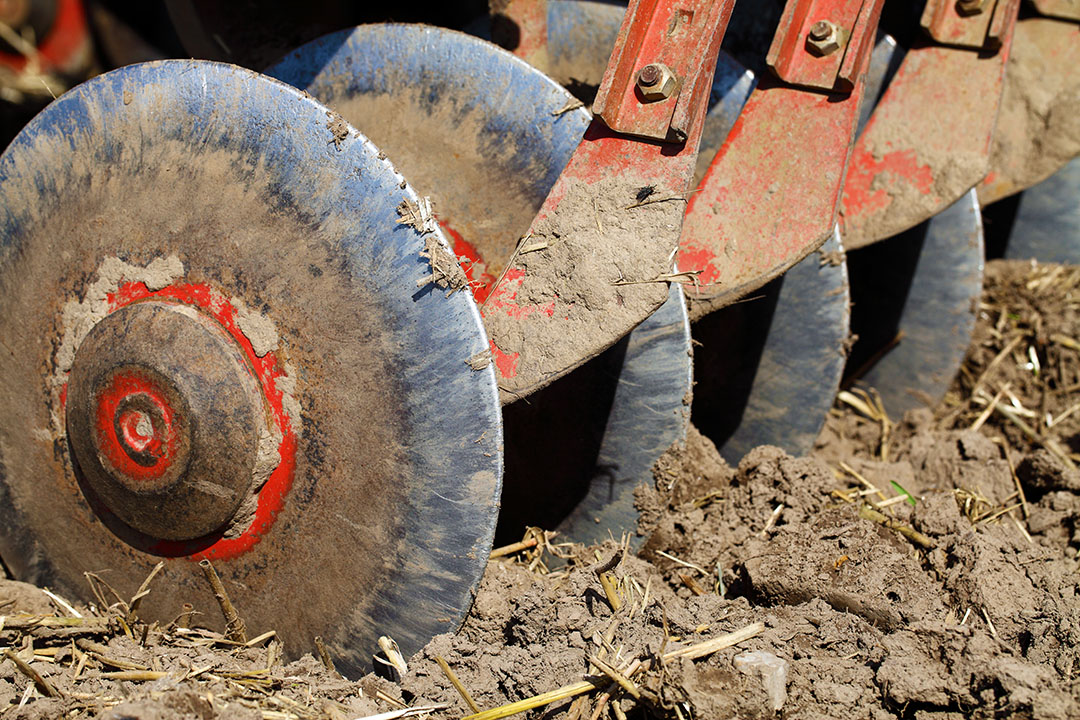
[895,573]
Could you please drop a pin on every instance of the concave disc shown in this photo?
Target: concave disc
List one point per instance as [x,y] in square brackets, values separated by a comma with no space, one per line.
[257,220]
[768,367]
[479,131]
[486,136]
[915,296]
[1046,226]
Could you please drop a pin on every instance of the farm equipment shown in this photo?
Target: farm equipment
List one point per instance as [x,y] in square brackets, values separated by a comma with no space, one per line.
[310,321]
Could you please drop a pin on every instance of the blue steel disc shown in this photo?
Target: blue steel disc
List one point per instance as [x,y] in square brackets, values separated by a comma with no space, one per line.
[755,362]
[768,368]
[648,414]
[473,127]
[915,297]
[437,102]
[1047,222]
[192,174]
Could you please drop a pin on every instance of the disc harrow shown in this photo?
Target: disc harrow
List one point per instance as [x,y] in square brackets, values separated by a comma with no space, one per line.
[323,321]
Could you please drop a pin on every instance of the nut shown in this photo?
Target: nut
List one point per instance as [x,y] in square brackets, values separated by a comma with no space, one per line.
[971,7]
[824,38]
[656,81]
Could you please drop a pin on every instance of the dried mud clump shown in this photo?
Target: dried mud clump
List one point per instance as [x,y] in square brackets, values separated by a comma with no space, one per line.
[922,598]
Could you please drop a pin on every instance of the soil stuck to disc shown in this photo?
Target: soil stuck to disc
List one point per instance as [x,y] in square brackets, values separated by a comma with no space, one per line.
[924,569]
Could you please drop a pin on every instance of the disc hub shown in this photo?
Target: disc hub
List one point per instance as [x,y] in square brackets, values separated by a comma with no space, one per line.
[165,420]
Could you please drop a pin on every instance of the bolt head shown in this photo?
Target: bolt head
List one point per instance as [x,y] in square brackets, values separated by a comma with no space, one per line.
[824,38]
[656,81]
[971,7]
[821,30]
[649,75]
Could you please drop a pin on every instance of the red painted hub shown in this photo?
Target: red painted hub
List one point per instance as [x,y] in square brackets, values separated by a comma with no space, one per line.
[141,429]
[137,428]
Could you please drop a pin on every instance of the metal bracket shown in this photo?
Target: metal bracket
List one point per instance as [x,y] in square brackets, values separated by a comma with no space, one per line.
[1062,9]
[823,43]
[661,69]
[979,24]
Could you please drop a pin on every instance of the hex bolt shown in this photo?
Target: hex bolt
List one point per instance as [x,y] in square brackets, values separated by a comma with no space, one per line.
[824,38]
[649,75]
[970,7]
[656,81]
[820,30]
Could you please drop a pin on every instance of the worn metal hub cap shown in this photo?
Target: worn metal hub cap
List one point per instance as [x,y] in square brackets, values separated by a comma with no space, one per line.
[165,420]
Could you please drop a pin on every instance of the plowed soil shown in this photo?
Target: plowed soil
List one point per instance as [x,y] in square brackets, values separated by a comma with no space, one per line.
[924,568]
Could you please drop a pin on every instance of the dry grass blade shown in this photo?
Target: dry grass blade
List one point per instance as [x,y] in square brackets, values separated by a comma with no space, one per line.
[445,666]
[910,533]
[324,656]
[603,572]
[142,592]
[624,682]
[234,625]
[709,647]
[41,683]
[858,476]
[849,398]
[684,563]
[135,675]
[513,548]
[537,701]
[985,414]
[64,604]
[869,404]
[1065,341]
[773,517]
[403,713]
[101,654]
[31,622]
[1048,443]
[393,654]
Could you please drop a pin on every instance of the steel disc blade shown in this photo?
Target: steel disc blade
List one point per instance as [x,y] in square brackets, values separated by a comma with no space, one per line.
[914,297]
[648,414]
[252,210]
[470,125]
[474,150]
[768,368]
[1046,226]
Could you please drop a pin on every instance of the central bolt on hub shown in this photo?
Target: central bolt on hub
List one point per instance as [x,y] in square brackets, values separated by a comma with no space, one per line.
[165,420]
